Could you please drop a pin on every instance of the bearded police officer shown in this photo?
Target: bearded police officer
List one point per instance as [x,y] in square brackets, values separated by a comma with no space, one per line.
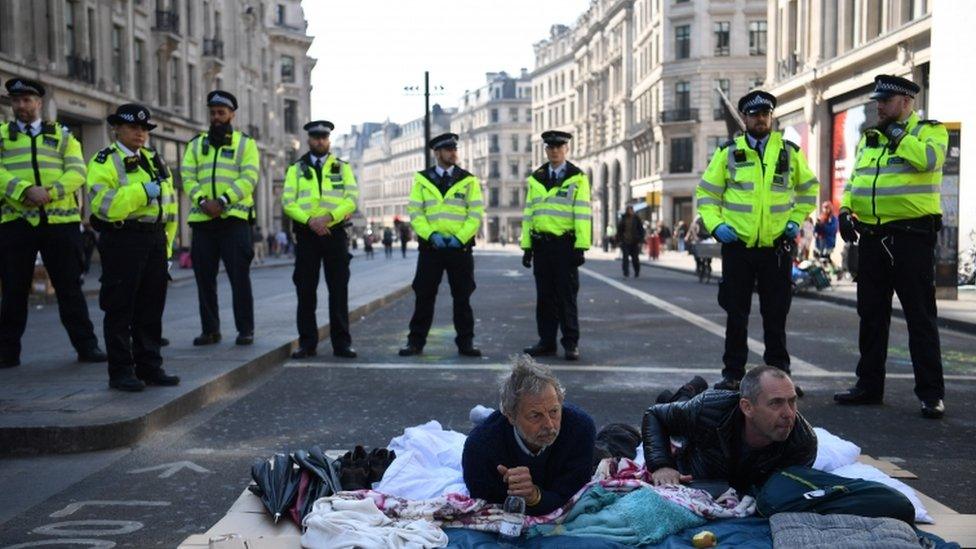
[446,209]
[754,196]
[556,225]
[320,194]
[41,169]
[134,208]
[892,208]
[220,171]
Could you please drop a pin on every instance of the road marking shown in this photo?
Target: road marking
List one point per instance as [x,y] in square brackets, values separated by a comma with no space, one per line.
[62,542]
[797,366]
[170,469]
[83,528]
[73,508]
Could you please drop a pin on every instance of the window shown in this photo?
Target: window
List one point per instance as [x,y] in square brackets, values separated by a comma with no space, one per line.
[138,68]
[528,114]
[280,14]
[493,197]
[191,90]
[515,140]
[189,17]
[757,38]
[682,95]
[681,154]
[720,84]
[493,144]
[174,74]
[513,114]
[513,170]
[291,116]
[70,43]
[287,68]
[92,39]
[493,171]
[682,42]
[118,64]
[494,115]
[722,38]
[514,197]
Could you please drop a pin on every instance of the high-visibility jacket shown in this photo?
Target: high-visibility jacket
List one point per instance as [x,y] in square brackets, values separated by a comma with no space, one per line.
[757,197]
[562,209]
[51,159]
[230,171]
[306,195]
[902,184]
[457,212]
[115,188]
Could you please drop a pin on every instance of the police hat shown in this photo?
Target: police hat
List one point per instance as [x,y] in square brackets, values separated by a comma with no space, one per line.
[23,86]
[757,101]
[132,113]
[555,138]
[444,140]
[220,98]
[886,85]
[319,127]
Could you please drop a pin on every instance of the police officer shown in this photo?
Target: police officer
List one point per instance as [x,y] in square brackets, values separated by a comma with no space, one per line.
[556,225]
[134,208]
[41,169]
[446,209]
[220,170]
[754,196]
[320,194]
[892,208]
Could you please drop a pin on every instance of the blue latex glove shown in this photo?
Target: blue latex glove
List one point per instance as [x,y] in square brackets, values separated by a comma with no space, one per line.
[453,242]
[152,189]
[791,230]
[725,234]
[437,239]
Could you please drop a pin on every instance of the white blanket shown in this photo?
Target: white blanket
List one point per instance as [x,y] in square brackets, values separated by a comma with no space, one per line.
[428,463]
[351,524]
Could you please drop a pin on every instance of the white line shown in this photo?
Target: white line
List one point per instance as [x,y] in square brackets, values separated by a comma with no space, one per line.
[797,365]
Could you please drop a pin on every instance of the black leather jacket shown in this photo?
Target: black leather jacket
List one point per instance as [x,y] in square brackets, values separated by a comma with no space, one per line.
[710,427]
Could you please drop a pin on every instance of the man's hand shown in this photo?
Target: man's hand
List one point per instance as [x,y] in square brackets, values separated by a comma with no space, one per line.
[847,230]
[725,234]
[894,132]
[580,258]
[437,239]
[667,475]
[213,208]
[791,230]
[320,225]
[527,259]
[519,481]
[37,196]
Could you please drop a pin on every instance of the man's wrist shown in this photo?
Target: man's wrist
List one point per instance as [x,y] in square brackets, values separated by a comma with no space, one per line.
[535,498]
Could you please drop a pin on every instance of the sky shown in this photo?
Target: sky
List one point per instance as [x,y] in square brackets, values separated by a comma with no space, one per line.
[368,50]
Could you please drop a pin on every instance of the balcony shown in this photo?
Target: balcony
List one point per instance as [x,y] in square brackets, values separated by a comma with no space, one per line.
[213,47]
[167,21]
[679,115]
[254,131]
[81,69]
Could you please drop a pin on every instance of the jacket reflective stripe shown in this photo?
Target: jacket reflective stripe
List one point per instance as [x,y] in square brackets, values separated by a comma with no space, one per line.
[899,189]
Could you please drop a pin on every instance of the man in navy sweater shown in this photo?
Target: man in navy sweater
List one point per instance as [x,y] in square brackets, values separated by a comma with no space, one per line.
[537,446]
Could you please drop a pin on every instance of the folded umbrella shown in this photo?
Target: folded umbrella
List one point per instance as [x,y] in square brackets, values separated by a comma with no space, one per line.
[320,478]
[277,482]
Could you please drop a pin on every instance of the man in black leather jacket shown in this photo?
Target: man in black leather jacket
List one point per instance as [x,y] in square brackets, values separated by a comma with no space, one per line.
[740,437]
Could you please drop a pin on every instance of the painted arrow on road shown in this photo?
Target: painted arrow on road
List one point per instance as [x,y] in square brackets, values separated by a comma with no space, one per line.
[170,469]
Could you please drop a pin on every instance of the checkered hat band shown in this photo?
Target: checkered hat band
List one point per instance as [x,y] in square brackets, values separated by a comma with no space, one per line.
[320,128]
[759,102]
[222,100]
[127,116]
[888,87]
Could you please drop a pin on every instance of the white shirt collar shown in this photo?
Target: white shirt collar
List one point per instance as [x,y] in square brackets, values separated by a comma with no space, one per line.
[524,448]
[557,170]
[126,151]
[315,159]
[34,126]
[758,144]
[441,171]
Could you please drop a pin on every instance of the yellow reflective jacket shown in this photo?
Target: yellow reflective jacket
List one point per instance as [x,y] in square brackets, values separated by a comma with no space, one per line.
[757,196]
[115,188]
[51,159]
[305,195]
[230,171]
[457,212]
[902,184]
[558,210]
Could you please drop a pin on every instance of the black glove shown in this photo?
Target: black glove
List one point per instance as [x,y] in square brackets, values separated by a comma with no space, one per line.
[527,259]
[894,132]
[579,258]
[847,231]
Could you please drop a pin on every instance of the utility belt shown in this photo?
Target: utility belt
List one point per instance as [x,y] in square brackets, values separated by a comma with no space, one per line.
[129,225]
[923,226]
[569,236]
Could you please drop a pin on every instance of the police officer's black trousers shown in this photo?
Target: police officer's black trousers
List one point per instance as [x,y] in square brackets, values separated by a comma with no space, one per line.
[228,240]
[743,269]
[631,252]
[61,250]
[904,264]
[133,296]
[556,286]
[431,264]
[311,253]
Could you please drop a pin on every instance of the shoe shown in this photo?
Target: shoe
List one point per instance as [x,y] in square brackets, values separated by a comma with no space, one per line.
[354,478]
[410,350]
[636,275]
[379,461]
[470,350]
[130,384]
[691,389]
[572,353]
[206,339]
[727,384]
[664,397]
[163,342]
[856,396]
[540,350]
[626,275]
[160,378]
[933,409]
[799,391]
[244,339]
[9,362]
[345,352]
[92,355]
[302,352]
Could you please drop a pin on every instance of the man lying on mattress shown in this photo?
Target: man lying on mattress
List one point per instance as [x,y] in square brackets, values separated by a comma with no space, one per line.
[536,446]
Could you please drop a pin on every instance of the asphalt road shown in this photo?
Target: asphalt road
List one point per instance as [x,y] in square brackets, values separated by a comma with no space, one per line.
[639,337]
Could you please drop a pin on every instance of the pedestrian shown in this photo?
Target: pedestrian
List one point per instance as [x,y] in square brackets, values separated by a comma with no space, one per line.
[272,243]
[89,239]
[630,234]
[404,230]
[753,196]
[320,192]
[556,227]
[805,239]
[680,232]
[664,235]
[281,243]
[696,235]
[220,171]
[41,168]
[134,207]
[826,235]
[892,210]
[368,245]
[388,242]
[257,237]
[446,209]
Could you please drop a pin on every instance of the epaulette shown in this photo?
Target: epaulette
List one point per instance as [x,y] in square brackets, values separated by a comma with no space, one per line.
[930,122]
[245,135]
[727,144]
[792,144]
[102,155]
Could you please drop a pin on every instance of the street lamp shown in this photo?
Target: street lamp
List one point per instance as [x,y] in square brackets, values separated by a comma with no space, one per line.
[415,90]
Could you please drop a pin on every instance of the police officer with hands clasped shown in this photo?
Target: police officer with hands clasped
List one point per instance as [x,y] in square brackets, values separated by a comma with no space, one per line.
[892,209]
[320,193]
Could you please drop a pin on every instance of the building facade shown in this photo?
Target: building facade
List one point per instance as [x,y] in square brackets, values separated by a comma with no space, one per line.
[93,55]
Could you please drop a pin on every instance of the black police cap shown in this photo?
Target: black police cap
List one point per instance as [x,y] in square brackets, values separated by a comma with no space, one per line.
[886,85]
[220,98]
[757,101]
[556,137]
[449,140]
[132,113]
[319,127]
[24,86]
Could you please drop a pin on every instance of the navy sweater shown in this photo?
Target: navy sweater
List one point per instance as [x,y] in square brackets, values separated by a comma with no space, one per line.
[559,471]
